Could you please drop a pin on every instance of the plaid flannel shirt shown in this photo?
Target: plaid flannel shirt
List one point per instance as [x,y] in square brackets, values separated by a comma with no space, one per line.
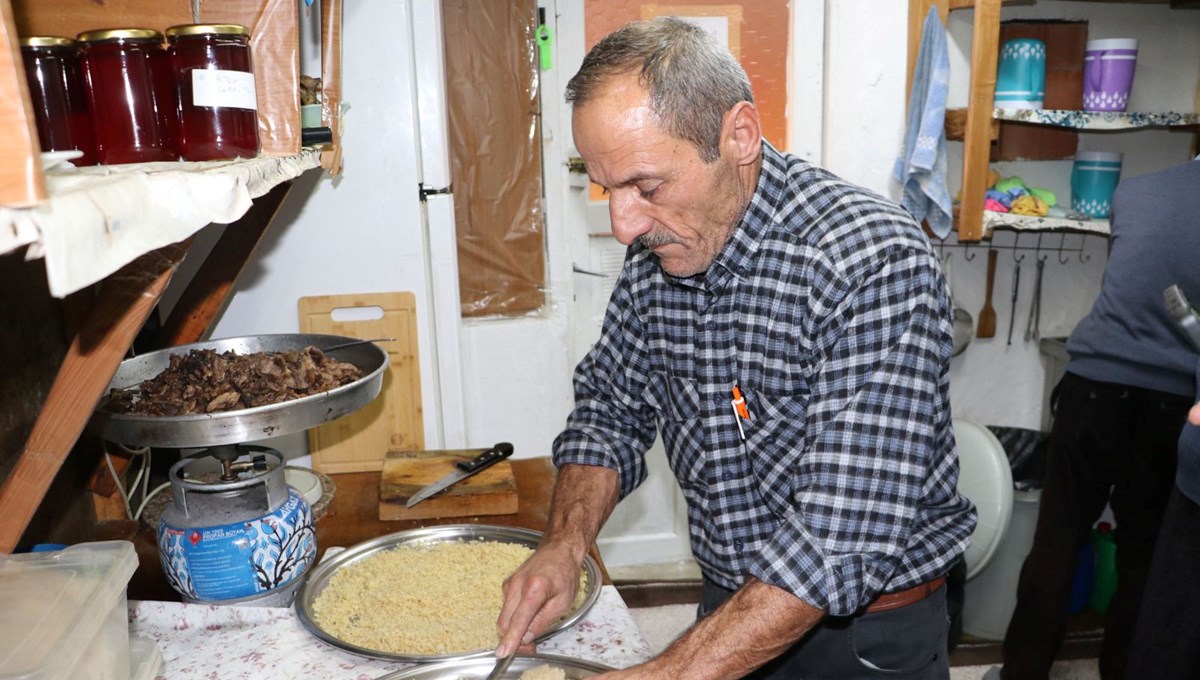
[828,309]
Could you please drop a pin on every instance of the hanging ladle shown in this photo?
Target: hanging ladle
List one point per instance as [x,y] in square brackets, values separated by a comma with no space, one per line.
[964,323]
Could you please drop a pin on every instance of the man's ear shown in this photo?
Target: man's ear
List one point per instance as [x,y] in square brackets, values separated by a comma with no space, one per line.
[742,135]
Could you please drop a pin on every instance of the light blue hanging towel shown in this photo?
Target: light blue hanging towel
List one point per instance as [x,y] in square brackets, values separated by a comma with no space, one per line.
[921,169]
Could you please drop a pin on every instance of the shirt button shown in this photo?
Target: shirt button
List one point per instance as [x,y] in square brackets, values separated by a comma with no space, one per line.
[711,325]
[726,476]
[738,545]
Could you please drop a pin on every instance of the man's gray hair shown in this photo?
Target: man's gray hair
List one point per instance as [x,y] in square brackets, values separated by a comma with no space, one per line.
[692,81]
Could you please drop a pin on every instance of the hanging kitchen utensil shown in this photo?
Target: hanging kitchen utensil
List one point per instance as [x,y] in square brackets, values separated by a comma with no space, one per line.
[1012,312]
[964,324]
[1033,328]
[987,315]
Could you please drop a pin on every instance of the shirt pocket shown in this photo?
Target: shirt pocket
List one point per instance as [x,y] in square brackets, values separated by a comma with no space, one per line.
[775,444]
[678,405]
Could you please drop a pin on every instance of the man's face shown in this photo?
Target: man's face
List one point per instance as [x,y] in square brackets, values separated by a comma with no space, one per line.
[659,190]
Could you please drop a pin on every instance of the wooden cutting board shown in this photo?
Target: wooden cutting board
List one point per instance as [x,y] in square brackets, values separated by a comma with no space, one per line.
[360,441]
[491,492]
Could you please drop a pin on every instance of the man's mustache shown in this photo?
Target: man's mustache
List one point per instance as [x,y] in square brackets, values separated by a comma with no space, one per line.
[654,239]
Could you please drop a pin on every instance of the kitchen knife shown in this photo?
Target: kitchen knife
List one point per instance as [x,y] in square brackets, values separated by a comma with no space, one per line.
[465,469]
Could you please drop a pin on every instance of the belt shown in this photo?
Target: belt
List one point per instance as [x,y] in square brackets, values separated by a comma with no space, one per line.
[904,598]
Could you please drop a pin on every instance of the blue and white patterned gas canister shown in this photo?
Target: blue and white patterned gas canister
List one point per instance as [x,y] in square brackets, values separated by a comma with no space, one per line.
[237,535]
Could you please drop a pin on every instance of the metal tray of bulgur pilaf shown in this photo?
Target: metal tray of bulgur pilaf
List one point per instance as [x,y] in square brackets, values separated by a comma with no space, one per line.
[573,669]
[322,574]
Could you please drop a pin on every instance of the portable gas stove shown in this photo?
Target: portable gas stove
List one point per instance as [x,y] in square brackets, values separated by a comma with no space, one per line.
[238,534]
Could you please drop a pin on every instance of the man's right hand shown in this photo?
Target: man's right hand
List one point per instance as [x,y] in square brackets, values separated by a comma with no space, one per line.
[535,596]
[543,588]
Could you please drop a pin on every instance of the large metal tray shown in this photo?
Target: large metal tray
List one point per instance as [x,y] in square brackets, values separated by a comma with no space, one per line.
[320,575]
[243,425]
[575,669]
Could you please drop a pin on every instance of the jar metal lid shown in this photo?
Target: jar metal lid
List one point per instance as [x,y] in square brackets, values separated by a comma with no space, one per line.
[120,34]
[47,41]
[207,29]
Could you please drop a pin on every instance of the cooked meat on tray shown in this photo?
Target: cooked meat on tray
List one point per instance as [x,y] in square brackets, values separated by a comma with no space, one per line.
[205,381]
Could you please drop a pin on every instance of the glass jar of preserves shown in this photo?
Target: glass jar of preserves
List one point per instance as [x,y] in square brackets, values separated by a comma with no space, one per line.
[218,102]
[130,94]
[57,95]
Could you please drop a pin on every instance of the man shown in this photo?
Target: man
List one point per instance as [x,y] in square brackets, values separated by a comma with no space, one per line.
[1118,412]
[789,335]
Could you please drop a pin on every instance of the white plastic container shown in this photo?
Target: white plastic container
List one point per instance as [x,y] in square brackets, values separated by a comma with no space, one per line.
[145,661]
[63,614]
[990,598]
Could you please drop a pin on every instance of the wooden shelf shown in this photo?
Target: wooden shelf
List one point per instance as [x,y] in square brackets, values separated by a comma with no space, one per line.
[1093,120]
[993,220]
[100,218]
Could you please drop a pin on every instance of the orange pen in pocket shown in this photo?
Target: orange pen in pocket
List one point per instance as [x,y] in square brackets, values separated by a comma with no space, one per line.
[740,411]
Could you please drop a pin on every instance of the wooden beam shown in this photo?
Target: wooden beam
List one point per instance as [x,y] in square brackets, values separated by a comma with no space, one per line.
[969,4]
[125,300]
[331,82]
[1196,134]
[21,180]
[977,139]
[207,294]
[956,125]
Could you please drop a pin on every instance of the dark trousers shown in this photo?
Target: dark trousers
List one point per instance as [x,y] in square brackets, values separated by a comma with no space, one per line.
[1166,640]
[1110,444]
[908,643]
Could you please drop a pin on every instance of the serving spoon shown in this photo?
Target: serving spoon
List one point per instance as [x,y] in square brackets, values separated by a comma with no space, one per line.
[502,665]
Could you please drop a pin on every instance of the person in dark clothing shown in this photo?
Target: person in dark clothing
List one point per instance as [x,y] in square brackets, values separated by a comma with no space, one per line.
[1118,414]
[1166,639]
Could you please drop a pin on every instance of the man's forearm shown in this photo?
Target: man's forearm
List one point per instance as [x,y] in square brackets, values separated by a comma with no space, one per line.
[584,497]
[756,625]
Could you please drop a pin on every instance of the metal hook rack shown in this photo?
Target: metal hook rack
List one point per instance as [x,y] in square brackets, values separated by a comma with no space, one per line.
[1040,250]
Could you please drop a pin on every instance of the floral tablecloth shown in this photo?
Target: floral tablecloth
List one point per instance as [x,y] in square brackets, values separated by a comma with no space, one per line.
[206,642]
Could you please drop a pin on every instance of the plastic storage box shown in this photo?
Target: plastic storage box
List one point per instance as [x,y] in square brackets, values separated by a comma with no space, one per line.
[145,661]
[63,614]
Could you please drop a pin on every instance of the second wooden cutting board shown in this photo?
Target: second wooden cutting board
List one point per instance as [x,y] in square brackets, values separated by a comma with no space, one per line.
[359,441]
[490,492]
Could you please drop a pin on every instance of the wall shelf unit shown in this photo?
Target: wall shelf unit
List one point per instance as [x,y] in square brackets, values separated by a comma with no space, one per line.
[1096,120]
[977,124]
[112,236]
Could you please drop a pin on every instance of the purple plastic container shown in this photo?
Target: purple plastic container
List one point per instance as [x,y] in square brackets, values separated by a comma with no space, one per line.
[1108,67]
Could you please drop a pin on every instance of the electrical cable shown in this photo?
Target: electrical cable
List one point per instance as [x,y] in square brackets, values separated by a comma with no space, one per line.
[117,480]
[142,507]
[142,477]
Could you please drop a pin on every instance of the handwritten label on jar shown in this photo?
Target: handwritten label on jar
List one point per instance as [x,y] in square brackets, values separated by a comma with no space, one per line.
[218,88]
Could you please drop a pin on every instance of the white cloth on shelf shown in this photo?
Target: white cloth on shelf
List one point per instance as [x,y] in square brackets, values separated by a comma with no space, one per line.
[921,167]
[100,218]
